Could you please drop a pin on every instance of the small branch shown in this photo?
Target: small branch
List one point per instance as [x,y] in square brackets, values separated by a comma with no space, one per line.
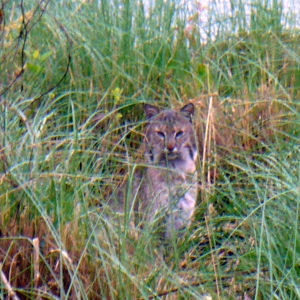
[70,42]
[57,84]
[26,27]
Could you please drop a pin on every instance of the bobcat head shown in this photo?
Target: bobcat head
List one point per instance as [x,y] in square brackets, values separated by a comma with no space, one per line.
[170,138]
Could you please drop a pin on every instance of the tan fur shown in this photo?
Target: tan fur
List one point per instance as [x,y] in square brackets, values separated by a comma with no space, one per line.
[167,188]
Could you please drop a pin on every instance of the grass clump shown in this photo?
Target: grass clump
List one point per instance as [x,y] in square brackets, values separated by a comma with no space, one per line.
[74,77]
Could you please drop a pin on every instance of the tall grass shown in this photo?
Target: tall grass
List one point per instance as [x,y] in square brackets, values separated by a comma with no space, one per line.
[74,77]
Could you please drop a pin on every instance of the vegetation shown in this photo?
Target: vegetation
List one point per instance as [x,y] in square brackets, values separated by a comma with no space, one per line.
[74,77]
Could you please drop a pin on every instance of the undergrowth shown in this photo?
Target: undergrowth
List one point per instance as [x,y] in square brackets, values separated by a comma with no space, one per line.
[74,78]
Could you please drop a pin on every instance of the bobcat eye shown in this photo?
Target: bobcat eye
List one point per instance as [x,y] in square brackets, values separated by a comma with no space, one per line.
[160,134]
[179,134]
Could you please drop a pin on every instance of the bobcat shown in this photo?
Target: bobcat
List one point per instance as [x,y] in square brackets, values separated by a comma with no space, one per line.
[166,189]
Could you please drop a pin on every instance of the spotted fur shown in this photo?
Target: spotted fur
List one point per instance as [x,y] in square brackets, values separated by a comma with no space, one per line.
[167,188]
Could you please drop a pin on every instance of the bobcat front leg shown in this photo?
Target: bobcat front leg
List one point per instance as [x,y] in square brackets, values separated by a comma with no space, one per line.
[180,216]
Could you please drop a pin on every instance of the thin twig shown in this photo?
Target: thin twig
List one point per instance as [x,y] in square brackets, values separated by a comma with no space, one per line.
[69,45]
[22,38]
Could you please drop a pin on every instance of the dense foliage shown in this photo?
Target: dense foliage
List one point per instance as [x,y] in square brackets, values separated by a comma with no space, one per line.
[74,76]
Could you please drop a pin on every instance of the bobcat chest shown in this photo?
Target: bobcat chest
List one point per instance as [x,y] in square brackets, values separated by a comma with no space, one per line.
[167,187]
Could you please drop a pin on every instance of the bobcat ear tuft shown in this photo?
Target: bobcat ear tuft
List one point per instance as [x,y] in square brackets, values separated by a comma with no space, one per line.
[188,110]
[151,110]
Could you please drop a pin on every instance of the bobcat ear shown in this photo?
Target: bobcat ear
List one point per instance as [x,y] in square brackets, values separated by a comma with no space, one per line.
[151,110]
[188,110]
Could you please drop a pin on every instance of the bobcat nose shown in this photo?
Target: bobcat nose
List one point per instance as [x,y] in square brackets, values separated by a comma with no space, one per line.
[171,147]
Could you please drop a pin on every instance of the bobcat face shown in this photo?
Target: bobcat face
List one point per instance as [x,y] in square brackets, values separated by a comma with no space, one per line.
[170,138]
